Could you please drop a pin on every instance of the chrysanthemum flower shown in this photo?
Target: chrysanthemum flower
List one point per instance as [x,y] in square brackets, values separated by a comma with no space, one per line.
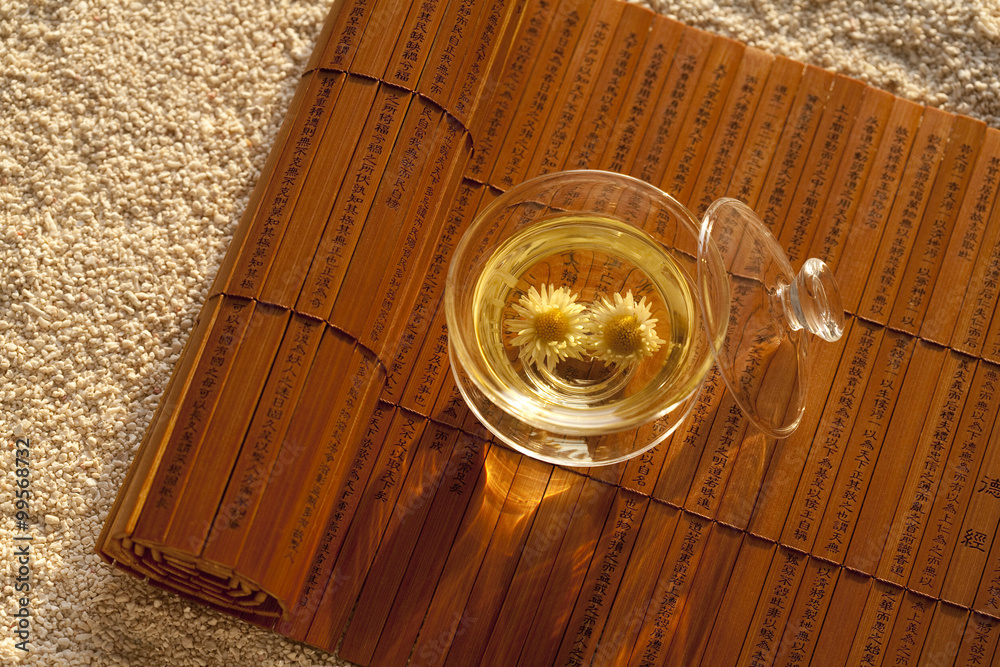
[622,332]
[551,326]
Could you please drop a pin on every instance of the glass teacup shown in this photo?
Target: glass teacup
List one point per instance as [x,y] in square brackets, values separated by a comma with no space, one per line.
[586,308]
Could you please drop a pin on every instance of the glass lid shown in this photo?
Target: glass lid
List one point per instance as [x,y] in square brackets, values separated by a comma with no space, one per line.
[763,356]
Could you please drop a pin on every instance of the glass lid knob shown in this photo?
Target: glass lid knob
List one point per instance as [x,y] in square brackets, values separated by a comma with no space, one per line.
[812,301]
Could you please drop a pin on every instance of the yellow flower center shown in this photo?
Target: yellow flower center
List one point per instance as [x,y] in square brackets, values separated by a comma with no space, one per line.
[623,335]
[552,325]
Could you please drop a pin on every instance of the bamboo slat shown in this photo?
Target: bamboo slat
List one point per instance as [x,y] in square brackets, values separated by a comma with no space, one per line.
[976,313]
[794,148]
[534,568]
[913,619]
[782,580]
[968,563]
[924,476]
[691,639]
[875,206]
[910,202]
[829,145]
[736,612]
[637,589]
[847,603]
[852,175]
[734,123]
[313,469]
[928,247]
[672,600]
[700,122]
[570,563]
[672,105]
[811,601]
[752,168]
[960,473]
[600,585]
[769,505]
[646,88]
[465,487]
[890,467]
[979,643]
[539,142]
[963,246]
[862,448]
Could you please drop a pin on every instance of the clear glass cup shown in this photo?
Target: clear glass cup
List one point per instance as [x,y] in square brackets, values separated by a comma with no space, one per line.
[586,308]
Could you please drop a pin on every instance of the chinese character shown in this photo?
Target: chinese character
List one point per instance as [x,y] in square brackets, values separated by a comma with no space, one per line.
[990,485]
[974,539]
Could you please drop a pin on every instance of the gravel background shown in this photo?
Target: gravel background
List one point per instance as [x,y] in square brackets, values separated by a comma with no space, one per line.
[131,135]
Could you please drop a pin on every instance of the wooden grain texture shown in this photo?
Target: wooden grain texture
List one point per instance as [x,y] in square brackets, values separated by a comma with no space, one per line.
[415,368]
[422,484]
[774,607]
[570,563]
[602,580]
[893,461]
[979,642]
[736,612]
[944,635]
[808,612]
[990,348]
[862,449]
[637,111]
[852,176]
[829,146]
[498,566]
[964,244]
[939,220]
[976,536]
[338,171]
[637,589]
[815,487]
[793,150]
[691,640]
[535,566]
[672,601]
[877,619]
[877,200]
[701,120]
[925,473]
[672,105]
[975,332]
[765,132]
[541,140]
[847,603]
[960,474]
[772,502]
[900,231]
[617,71]
[313,469]
[735,122]
[909,630]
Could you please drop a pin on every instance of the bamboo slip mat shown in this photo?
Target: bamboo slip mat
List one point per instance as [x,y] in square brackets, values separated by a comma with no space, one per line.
[312,468]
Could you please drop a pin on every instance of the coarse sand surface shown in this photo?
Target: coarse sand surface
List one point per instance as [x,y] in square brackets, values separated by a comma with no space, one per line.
[131,134]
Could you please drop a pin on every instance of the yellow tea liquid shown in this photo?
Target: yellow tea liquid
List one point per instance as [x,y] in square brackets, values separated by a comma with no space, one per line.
[594,258]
